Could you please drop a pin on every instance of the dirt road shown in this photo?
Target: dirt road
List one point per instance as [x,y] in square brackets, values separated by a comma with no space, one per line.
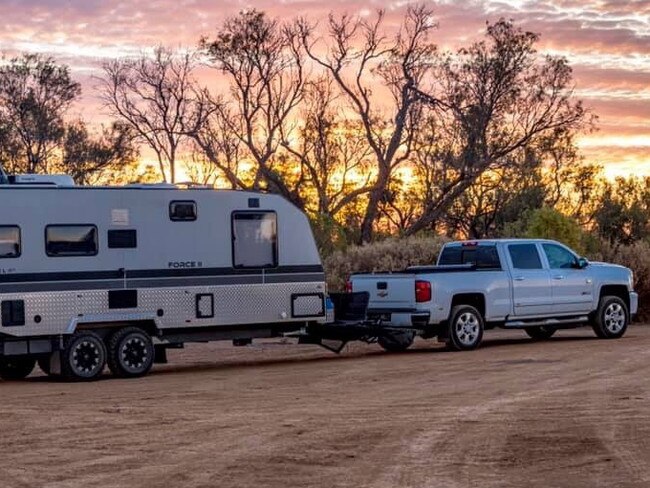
[574,411]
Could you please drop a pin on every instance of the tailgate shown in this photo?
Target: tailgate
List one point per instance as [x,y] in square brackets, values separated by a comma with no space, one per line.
[390,292]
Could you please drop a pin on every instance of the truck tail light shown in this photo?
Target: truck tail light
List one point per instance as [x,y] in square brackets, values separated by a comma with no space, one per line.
[422,291]
[348,286]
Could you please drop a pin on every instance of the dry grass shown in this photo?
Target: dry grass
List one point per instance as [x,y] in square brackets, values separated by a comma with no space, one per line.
[388,255]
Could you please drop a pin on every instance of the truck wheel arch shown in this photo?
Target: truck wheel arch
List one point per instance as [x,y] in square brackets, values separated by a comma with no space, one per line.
[476,300]
[619,291]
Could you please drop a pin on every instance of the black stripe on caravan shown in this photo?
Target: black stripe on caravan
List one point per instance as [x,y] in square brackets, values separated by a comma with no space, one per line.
[167,282]
[154,273]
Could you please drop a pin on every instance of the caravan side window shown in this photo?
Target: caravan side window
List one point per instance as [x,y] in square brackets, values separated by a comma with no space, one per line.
[71,240]
[182,211]
[9,241]
[255,239]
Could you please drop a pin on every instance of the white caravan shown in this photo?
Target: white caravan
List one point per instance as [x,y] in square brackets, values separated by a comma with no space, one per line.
[105,275]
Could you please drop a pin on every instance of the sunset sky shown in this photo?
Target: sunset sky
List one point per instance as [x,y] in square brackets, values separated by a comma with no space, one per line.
[607,43]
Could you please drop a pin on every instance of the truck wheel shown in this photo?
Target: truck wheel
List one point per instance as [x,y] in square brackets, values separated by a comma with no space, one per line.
[465,328]
[396,341]
[611,319]
[130,352]
[14,368]
[540,333]
[84,357]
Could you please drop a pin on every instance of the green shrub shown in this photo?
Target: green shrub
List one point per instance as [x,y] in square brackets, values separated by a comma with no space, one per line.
[389,255]
[548,223]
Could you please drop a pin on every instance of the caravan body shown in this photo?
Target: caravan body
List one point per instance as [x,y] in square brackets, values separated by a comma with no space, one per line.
[182,264]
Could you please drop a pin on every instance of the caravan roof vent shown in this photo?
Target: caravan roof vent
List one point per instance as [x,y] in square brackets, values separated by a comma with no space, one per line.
[45,180]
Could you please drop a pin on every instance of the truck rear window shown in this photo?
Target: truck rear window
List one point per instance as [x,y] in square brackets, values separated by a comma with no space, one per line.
[479,256]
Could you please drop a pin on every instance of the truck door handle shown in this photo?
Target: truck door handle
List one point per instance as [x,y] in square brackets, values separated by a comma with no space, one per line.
[519,278]
[558,277]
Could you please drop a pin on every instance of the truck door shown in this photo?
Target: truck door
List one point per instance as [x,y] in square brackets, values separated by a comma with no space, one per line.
[531,282]
[572,286]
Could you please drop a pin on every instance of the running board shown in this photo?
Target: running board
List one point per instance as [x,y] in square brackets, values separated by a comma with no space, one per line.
[518,324]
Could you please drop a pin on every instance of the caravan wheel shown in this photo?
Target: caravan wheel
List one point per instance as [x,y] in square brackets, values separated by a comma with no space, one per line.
[84,357]
[130,352]
[14,368]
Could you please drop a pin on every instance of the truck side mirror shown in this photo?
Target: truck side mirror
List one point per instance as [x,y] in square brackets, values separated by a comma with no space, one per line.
[583,263]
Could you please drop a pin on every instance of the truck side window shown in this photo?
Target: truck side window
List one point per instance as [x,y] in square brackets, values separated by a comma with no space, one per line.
[559,257]
[524,256]
[10,245]
[71,240]
[255,240]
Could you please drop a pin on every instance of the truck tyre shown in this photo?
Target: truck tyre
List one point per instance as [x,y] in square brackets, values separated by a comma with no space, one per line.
[398,341]
[540,333]
[14,368]
[611,319]
[130,352]
[84,357]
[465,328]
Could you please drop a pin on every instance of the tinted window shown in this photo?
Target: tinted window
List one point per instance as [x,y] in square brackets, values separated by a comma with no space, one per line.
[9,241]
[559,257]
[122,239]
[182,211]
[254,239]
[71,240]
[480,256]
[524,256]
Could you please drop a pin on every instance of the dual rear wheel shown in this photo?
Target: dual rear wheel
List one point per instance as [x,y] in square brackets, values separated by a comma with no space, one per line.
[129,352]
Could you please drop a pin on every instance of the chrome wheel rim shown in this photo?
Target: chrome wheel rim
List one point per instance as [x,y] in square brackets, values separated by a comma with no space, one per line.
[134,354]
[614,318]
[467,329]
[86,358]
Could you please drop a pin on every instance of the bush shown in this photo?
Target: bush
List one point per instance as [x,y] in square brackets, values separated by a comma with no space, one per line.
[548,223]
[388,255]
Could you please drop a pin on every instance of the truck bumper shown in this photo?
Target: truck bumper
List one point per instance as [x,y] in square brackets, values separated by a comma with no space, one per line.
[400,318]
[634,303]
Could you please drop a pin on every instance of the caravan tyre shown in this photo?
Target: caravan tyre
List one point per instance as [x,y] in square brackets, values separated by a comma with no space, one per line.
[130,352]
[14,368]
[84,357]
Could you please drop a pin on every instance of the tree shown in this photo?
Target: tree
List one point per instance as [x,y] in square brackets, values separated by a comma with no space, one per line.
[263,63]
[492,100]
[158,98]
[360,56]
[623,214]
[331,151]
[88,159]
[35,94]
[549,172]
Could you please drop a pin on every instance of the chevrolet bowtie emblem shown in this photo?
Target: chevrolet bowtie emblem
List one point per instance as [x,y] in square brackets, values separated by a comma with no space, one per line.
[382,294]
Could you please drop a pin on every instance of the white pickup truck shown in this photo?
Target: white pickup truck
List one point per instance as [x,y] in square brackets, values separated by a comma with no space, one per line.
[532,284]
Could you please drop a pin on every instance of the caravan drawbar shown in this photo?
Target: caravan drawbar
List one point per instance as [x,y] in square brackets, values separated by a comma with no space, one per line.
[91,276]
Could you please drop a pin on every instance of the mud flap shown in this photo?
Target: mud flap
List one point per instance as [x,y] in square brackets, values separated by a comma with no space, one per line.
[55,363]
